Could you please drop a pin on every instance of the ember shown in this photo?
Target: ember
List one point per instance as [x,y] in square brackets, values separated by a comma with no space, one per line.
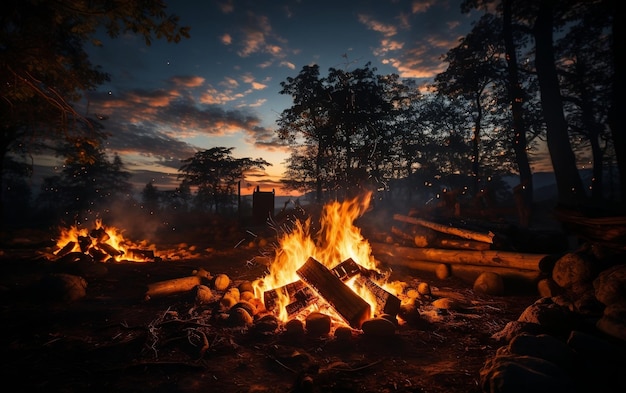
[103,244]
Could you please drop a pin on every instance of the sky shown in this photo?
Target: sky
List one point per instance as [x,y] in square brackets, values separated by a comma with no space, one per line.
[220,88]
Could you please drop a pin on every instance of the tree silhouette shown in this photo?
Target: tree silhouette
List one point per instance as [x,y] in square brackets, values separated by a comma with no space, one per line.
[88,183]
[215,174]
[44,68]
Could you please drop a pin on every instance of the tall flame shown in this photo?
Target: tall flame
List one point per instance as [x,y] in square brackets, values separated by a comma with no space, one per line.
[337,240]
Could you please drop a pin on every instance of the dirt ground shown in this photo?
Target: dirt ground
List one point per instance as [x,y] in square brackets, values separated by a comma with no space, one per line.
[114,339]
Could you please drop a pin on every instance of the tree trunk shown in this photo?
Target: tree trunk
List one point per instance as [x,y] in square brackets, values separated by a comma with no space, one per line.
[519,127]
[569,185]
[618,104]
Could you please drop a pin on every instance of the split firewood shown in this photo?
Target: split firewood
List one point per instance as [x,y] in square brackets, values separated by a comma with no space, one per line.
[346,302]
[67,248]
[460,232]
[169,287]
[298,293]
[386,303]
[109,249]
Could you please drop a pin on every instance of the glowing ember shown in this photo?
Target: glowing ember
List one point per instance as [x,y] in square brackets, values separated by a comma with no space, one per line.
[103,244]
[337,240]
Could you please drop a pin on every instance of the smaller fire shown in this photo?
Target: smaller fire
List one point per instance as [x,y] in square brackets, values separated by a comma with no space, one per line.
[103,244]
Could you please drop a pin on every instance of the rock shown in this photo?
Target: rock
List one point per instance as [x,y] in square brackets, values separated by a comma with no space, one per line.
[221,282]
[343,333]
[317,324]
[245,286]
[514,328]
[552,317]
[64,287]
[545,347]
[423,289]
[379,327]
[203,294]
[548,288]
[239,317]
[294,328]
[410,313]
[573,271]
[520,374]
[249,307]
[613,321]
[610,285]
[489,283]
[266,324]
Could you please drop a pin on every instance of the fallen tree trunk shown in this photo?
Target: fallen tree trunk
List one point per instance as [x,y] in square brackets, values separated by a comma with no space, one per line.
[493,258]
[460,232]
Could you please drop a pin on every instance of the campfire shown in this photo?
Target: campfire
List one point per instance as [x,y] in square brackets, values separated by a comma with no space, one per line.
[102,244]
[331,271]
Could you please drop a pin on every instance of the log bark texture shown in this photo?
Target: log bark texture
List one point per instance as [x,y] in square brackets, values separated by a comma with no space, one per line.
[493,258]
[460,232]
[176,285]
[344,300]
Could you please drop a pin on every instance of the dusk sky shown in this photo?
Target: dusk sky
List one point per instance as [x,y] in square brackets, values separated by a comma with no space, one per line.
[221,87]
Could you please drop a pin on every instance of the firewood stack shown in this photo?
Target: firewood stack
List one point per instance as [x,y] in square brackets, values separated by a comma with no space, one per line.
[495,253]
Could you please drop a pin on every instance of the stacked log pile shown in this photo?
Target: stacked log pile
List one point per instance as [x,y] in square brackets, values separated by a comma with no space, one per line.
[488,255]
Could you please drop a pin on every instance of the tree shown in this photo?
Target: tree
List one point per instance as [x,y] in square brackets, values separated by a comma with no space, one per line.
[618,101]
[338,122]
[475,67]
[585,71]
[215,173]
[44,68]
[88,183]
[306,124]
[151,198]
[517,97]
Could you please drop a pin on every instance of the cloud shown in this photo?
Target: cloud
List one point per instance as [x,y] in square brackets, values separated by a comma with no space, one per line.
[421,6]
[386,29]
[162,125]
[226,39]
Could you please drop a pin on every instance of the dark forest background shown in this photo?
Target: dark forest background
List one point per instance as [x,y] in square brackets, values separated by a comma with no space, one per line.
[531,77]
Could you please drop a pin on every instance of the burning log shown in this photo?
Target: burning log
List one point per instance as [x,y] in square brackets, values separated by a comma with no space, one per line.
[109,249]
[270,298]
[176,285]
[346,269]
[460,232]
[67,248]
[348,304]
[300,295]
[386,303]
[304,298]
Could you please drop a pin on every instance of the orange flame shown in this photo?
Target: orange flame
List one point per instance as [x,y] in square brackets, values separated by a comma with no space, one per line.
[337,240]
[104,240]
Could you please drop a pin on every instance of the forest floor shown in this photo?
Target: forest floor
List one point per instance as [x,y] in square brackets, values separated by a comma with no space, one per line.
[114,339]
